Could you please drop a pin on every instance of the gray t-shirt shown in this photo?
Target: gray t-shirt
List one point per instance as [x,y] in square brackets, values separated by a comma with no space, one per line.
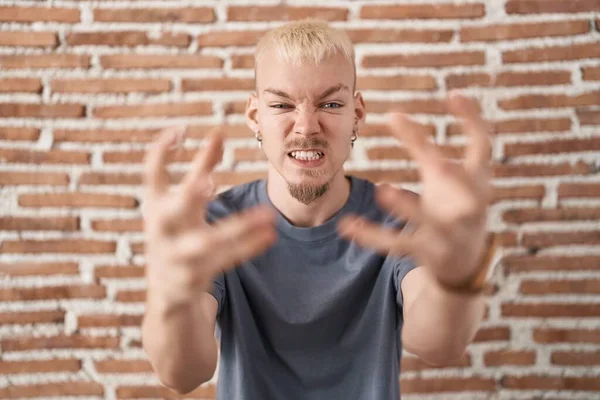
[315,317]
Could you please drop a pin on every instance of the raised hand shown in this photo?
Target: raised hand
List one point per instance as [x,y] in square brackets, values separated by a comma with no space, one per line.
[447,222]
[183,252]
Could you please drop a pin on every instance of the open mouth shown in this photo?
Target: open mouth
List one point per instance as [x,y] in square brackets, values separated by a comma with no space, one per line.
[309,155]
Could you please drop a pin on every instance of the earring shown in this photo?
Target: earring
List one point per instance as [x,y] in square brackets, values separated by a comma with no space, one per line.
[259,139]
[354,137]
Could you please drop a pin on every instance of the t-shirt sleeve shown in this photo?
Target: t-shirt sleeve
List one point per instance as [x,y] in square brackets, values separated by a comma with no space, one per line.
[401,268]
[219,292]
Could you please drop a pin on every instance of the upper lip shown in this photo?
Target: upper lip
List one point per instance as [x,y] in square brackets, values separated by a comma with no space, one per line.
[319,150]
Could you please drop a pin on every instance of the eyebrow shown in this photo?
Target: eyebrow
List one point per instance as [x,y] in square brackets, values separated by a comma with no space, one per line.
[328,92]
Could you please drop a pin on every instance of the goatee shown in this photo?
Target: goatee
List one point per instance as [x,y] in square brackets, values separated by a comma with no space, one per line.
[306,193]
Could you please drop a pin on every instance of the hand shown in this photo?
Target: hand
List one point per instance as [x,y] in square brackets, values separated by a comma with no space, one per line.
[183,252]
[449,219]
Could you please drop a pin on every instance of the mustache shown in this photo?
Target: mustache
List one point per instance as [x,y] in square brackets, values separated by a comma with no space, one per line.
[306,144]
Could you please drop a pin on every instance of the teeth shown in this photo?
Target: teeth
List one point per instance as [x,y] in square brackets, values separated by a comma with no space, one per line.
[307,155]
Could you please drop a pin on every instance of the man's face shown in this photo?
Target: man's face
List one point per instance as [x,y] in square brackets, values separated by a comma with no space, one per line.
[306,115]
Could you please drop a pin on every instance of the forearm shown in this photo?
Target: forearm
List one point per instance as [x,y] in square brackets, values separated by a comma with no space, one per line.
[439,325]
[180,343]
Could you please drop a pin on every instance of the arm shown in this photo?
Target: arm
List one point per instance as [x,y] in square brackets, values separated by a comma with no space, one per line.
[179,341]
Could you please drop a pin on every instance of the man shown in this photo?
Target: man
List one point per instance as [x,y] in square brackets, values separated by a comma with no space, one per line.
[310,273]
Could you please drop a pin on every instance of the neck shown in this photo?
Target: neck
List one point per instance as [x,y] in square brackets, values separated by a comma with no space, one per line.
[315,213]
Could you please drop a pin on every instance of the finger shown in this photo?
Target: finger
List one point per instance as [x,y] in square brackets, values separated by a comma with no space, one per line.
[415,137]
[368,234]
[400,202]
[479,151]
[156,176]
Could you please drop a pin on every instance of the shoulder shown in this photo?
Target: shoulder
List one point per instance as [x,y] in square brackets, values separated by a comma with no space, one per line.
[371,209]
[233,200]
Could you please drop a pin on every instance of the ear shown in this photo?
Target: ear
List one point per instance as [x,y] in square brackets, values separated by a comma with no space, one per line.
[252,113]
[360,111]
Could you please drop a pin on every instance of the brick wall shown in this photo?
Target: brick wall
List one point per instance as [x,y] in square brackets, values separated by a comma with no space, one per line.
[85,84]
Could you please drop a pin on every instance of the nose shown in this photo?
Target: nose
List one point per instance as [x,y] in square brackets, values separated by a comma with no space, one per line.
[307,121]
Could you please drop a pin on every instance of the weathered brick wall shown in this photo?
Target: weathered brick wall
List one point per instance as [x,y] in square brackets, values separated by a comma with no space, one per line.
[85,84]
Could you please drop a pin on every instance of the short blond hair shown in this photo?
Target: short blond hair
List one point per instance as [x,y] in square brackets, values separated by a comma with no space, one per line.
[306,41]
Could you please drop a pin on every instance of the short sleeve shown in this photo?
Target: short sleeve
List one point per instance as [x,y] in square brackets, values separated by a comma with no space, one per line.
[401,268]
[218,291]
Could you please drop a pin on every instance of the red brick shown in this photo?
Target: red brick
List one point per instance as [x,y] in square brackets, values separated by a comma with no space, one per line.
[537,170]
[59,342]
[22,110]
[122,366]
[546,382]
[39,14]
[551,147]
[148,110]
[53,292]
[104,136]
[509,357]
[395,152]
[110,85]
[10,223]
[413,106]
[78,246]
[145,391]
[524,125]
[533,192]
[117,225]
[550,101]
[507,79]
[551,6]
[127,39]
[38,61]
[40,366]
[154,61]
[29,134]
[32,317]
[591,73]
[424,59]
[19,156]
[162,15]
[370,130]
[400,35]
[109,320]
[230,131]
[278,13]
[131,296]
[28,39]
[523,30]
[403,82]
[235,107]
[575,358]
[412,364]
[548,239]
[570,286]
[552,53]
[79,199]
[423,11]
[244,61]
[229,38]
[110,271]
[550,310]
[492,334]
[55,389]
[15,85]
[524,215]
[109,178]
[567,190]
[561,335]
[39,268]
[387,175]
[435,385]
[526,263]
[34,178]
[216,84]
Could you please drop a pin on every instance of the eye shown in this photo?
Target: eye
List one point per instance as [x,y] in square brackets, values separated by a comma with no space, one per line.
[280,106]
[332,105]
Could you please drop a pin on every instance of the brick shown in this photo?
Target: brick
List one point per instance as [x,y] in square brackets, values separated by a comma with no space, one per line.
[422,385]
[567,286]
[131,296]
[56,223]
[109,320]
[216,84]
[40,366]
[524,215]
[59,342]
[34,178]
[508,79]
[104,136]
[109,271]
[39,14]
[537,101]
[32,317]
[110,85]
[39,268]
[509,357]
[526,263]
[24,134]
[386,175]
[40,61]
[161,15]
[128,39]
[122,366]
[413,364]
[421,60]
[242,61]
[552,53]
[370,130]
[400,35]
[423,11]
[145,391]
[28,39]
[523,31]
[591,73]
[230,131]
[285,13]
[235,107]
[575,358]
[395,152]
[147,110]
[492,334]
[568,190]
[550,310]
[551,6]
[53,246]
[403,82]
[562,335]
[16,85]
[79,199]
[108,178]
[551,147]
[117,225]
[248,154]
[55,389]
[412,106]
[229,38]
[19,156]
[23,110]
[538,170]
[533,192]
[549,239]
[547,382]
[531,125]
[53,293]
[155,61]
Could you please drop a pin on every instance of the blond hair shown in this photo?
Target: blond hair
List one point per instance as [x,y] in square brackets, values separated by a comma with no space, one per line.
[306,41]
